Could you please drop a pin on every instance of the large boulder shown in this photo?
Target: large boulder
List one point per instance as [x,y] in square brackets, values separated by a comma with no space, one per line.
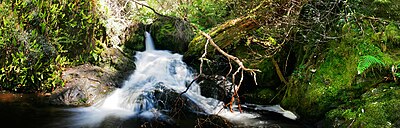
[171,34]
[349,81]
[84,85]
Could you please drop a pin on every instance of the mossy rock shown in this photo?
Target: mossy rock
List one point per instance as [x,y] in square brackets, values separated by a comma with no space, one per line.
[335,82]
[377,107]
[388,9]
[171,34]
[262,96]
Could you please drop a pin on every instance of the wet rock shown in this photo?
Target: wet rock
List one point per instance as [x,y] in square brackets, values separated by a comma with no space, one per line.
[213,121]
[114,121]
[114,58]
[87,83]
[215,86]
[84,85]
[171,34]
[261,96]
[173,103]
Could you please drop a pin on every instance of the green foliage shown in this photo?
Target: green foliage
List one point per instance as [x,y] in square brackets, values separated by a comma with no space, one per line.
[208,13]
[172,34]
[388,9]
[392,34]
[397,74]
[382,1]
[39,38]
[364,43]
[376,108]
[366,62]
[369,45]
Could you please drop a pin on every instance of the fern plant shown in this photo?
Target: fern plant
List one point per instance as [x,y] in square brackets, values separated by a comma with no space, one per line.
[397,74]
[368,61]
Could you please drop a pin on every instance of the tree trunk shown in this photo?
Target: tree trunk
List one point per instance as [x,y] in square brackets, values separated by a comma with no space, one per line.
[279,14]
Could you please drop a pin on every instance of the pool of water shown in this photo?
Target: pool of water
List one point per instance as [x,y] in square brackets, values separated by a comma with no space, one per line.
[31,110]
[28,110]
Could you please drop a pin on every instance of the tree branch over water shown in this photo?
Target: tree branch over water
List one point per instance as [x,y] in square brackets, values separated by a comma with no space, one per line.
[241,68]
[152,9]
[275,15]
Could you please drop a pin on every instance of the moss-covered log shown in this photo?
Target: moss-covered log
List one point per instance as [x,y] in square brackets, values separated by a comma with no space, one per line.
[274,14]
[253,38]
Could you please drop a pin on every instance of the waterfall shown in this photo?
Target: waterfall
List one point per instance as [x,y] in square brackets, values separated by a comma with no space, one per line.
[149,42]
[157,71]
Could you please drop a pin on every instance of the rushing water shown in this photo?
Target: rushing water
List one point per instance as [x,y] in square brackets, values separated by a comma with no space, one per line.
[156,71]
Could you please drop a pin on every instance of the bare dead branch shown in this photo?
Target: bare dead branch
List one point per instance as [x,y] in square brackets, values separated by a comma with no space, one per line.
[235,59]
[152,9]
[394,68]
[203,57]
[278,71]
[241,69]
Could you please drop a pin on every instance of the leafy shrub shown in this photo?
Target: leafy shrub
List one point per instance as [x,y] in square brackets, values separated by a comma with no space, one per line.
[39,38]
[368,62]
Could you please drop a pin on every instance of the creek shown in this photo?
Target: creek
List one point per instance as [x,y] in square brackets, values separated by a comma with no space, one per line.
[151,97]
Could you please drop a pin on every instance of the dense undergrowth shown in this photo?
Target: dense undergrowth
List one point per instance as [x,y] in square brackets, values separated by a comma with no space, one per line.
[39,38]
[341,58]
[350,80]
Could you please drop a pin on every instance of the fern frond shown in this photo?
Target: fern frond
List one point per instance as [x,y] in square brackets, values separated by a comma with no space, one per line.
[368,61]
[397,74]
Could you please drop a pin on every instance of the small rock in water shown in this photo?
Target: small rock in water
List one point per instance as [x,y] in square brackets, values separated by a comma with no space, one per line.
[47,94]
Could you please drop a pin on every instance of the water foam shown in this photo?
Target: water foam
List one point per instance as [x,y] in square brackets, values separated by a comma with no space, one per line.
[155,68]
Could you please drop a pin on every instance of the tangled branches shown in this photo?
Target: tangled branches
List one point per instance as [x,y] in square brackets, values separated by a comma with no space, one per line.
[240,69]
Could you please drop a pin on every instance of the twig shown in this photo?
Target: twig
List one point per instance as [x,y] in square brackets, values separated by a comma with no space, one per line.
[241,68]
[203,57]
[394,73]
[278,71]
[188,86]
[152,9]
[235,59]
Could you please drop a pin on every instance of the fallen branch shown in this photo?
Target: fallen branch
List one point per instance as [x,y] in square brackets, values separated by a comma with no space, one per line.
[235,59]
[152,9]
[394,68]
[203,57]
[241,68]
[278,71]
[190,84]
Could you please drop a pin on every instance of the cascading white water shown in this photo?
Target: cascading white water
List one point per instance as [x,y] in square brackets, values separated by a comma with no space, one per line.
[149,42]
[155,67]
[157,70]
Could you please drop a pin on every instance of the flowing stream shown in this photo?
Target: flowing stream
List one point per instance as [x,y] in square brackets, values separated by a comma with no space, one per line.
[156,72]
[149,94]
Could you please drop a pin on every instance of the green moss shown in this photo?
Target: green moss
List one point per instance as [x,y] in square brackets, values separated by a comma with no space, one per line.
[261,96]
[268,74]
[392,34]
[136,41]
[332,77]
[171,34]
[387,9]
[39,38]
[378,107]
[333,88]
